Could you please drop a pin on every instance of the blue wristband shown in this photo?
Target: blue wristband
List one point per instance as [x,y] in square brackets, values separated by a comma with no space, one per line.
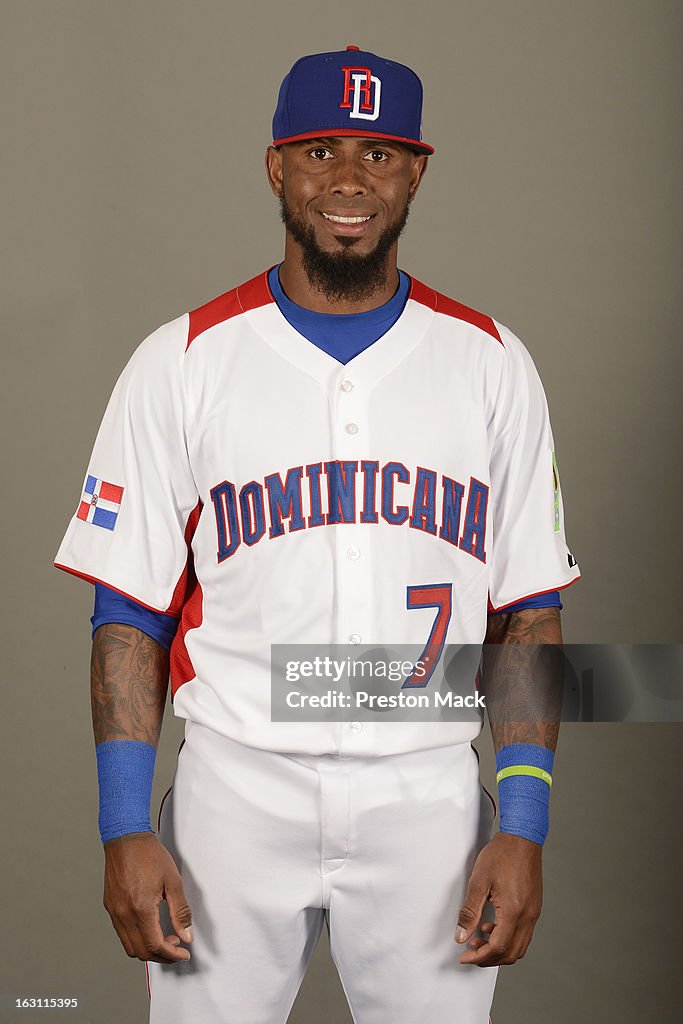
[125,769]
[524,776]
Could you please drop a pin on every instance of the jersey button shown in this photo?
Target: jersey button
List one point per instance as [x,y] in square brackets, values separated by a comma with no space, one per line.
[353,554]
[346,385]
[351,428]
[354,639]
[356,727]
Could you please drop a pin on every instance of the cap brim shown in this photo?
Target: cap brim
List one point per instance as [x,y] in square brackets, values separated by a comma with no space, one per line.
[331,133]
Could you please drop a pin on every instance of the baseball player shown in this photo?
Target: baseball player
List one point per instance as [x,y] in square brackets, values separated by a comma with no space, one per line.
[329,453]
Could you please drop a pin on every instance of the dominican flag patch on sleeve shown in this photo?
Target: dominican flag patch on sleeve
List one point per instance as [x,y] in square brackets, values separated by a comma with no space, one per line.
[100,503]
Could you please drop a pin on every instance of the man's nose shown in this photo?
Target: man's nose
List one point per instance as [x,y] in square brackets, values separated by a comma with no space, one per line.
[347,178]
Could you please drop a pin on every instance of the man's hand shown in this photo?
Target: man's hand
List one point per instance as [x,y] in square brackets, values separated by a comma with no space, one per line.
[139,873]
[507,873]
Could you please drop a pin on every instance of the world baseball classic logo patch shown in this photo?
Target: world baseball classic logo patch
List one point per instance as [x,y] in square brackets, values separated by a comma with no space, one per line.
[100,503]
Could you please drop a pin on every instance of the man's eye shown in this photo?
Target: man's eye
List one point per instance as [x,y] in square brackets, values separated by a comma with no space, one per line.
[378,156]
[320,153]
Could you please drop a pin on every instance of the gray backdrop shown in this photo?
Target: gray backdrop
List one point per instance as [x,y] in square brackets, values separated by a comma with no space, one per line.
[132,149]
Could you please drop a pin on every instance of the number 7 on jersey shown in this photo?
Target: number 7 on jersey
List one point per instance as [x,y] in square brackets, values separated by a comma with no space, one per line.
[431,595]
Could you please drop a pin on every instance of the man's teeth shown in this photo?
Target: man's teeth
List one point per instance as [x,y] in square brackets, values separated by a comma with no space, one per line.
[345,220]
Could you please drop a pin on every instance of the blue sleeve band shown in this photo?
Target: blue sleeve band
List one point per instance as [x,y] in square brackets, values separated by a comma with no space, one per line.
[110,606]
[524,798]
[125,769]
[549,600]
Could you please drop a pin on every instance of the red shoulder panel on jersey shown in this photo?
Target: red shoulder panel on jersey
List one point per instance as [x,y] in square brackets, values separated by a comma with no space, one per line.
[450,307]
[238,300]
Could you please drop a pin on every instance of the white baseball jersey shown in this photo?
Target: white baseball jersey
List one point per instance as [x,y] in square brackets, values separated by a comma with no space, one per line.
[247,480]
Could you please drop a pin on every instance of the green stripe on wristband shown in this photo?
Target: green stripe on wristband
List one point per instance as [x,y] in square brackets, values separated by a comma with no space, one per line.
[524,769]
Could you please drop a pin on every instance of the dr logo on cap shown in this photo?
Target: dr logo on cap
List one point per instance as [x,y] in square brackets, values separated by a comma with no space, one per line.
[350,92]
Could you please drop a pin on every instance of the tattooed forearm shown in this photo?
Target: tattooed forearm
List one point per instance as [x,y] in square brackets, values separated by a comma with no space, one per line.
[128,683]
[522,677]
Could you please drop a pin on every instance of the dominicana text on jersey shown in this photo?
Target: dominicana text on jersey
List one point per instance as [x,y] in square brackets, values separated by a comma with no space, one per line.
[353,493]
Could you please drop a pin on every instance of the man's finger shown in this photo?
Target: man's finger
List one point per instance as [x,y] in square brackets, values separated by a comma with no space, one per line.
[471,910]
[488,955]
[132,941]
[503,940]
[505,947]
[494,953]
[179,908]
[120,930]
[141,951]
[526,941]
[480,937]
[153,942]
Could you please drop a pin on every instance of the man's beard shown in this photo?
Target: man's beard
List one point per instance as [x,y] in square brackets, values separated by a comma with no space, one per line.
[344,275]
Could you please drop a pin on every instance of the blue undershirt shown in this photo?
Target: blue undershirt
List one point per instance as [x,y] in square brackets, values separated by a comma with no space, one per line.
[342,336]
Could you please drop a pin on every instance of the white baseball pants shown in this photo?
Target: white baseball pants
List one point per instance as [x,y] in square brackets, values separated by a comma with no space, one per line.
[270,845]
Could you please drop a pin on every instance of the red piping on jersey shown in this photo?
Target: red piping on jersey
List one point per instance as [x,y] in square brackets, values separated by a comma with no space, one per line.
[527,597]
[250,295]
[95,579]
[451,307]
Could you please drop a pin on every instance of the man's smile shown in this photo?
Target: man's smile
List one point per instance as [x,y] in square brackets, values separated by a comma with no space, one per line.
[346,220]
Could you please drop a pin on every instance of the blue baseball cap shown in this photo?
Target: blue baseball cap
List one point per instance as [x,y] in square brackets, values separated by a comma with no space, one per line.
[350,92]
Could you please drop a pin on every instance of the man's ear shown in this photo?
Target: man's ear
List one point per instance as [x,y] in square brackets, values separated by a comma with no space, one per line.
[274,159]
[417,173]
